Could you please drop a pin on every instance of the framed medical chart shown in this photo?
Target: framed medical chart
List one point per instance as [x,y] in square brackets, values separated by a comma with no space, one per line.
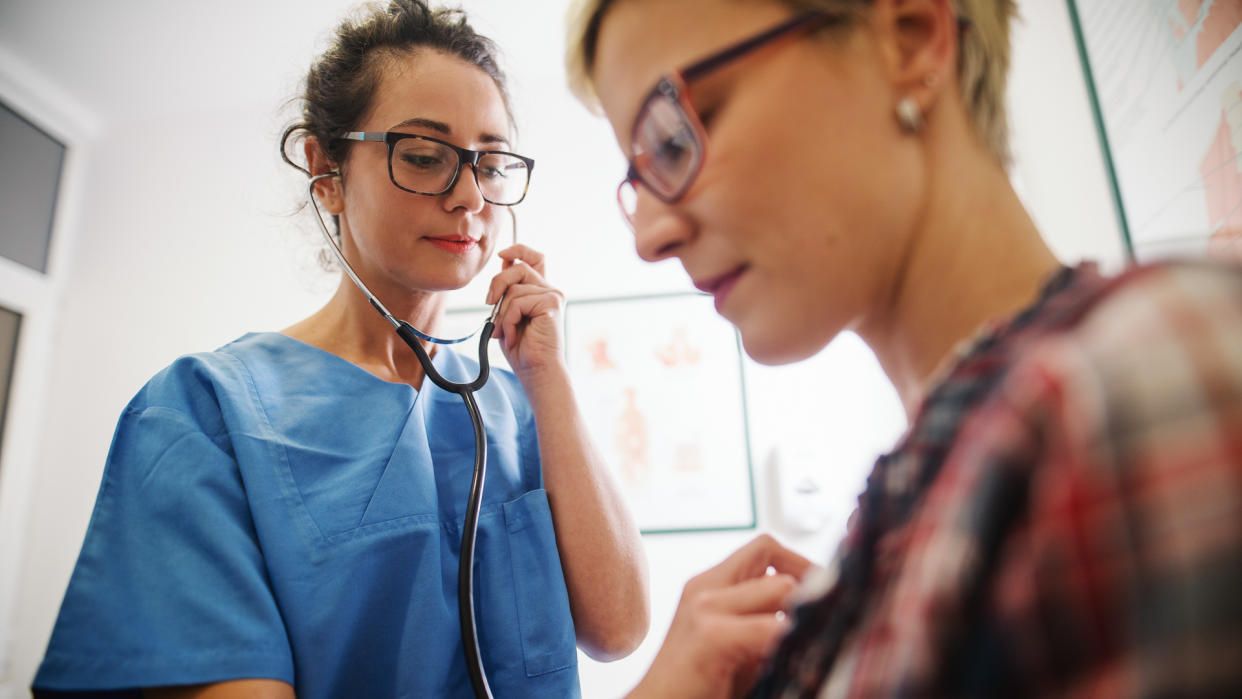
[1166,85]
[659,380]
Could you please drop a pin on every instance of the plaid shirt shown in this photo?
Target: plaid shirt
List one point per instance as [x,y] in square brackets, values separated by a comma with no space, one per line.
[1064,516]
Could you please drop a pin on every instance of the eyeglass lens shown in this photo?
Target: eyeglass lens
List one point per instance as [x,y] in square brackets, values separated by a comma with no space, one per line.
[427,167]
[669,144]
[666,151]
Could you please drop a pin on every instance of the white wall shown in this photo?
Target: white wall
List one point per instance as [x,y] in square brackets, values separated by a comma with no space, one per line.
[174,238]
[37,297]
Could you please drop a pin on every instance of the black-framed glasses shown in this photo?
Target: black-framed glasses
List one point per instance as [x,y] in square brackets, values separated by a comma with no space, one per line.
[668,141]
[429,166]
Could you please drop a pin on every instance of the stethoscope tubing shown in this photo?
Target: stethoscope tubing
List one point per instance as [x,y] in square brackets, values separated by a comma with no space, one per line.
[465,565]
[414,338]
[470,527]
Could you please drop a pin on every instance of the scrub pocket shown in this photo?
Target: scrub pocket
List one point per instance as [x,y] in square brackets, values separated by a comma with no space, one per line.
[544,621]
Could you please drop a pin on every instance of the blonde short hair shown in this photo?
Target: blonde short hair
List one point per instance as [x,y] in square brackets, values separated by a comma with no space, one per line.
[982,66]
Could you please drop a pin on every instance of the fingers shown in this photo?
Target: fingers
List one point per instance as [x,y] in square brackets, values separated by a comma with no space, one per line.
[710,657]
[522,303]
[766,594]
[728,620]
[513,274]
[787,561]
[759,634]
[719,636]
[525,293]
[741,640]
[526,254]
[752,561]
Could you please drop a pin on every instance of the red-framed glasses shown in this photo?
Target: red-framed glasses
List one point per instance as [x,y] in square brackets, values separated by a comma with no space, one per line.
[668,141]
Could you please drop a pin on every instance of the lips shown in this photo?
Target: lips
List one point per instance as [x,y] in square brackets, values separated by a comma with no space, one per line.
[454,243]
[721,285]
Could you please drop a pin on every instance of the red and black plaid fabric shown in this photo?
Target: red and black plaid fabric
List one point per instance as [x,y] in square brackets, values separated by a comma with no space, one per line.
[1063,517]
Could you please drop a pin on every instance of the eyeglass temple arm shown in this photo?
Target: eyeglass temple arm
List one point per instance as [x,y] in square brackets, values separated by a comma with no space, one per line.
[376,136]
[710,63]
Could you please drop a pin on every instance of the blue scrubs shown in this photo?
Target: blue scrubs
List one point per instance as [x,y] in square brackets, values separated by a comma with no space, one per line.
[271,510]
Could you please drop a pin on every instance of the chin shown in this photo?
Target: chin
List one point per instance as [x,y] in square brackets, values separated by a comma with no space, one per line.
[769,346]
[448,282]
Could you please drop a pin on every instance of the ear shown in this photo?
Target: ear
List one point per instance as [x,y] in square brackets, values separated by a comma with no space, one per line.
[328,190]
[920,40]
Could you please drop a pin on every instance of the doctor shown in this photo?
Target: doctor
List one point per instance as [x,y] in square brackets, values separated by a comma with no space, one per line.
[283,515]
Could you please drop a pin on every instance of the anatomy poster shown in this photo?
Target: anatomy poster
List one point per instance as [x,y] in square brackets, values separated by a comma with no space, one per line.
[1168,84]
[659,380]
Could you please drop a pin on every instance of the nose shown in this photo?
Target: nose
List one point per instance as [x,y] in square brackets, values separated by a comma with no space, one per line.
[660,231]
[465,193]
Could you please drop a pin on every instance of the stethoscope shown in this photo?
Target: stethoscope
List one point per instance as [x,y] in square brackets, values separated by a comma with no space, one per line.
[414,338]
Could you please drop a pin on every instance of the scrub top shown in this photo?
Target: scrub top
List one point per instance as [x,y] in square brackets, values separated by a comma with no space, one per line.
[270,510]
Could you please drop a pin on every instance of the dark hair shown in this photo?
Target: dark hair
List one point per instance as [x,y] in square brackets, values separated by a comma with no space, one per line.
[341,83]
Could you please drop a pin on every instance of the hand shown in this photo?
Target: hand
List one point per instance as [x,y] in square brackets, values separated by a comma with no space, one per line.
[528,323]
[727,622]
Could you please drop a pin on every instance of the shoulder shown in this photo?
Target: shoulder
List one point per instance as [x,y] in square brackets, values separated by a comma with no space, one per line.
[1132,411]
[189,386]
[179,408]
[1144,379]
[255,358]
[1161,344]
[197,384]
[1182,303]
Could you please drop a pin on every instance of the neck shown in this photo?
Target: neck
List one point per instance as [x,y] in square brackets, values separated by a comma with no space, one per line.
[975,257]
[349,327]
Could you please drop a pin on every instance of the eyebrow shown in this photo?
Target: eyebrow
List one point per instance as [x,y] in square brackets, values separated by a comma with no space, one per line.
[445,129]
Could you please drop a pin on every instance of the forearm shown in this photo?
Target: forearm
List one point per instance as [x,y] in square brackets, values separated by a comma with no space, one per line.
[236,689]
[601,553]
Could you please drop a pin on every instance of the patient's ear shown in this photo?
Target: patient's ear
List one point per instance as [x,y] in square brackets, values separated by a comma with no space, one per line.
[327,190]
[918,39]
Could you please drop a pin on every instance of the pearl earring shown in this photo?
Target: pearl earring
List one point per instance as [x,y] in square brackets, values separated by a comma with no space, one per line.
[909,115]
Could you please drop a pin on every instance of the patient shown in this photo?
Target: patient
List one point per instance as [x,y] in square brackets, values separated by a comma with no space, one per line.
[1064,514]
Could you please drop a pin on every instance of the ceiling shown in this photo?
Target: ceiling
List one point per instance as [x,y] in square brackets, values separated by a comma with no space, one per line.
[143,59]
